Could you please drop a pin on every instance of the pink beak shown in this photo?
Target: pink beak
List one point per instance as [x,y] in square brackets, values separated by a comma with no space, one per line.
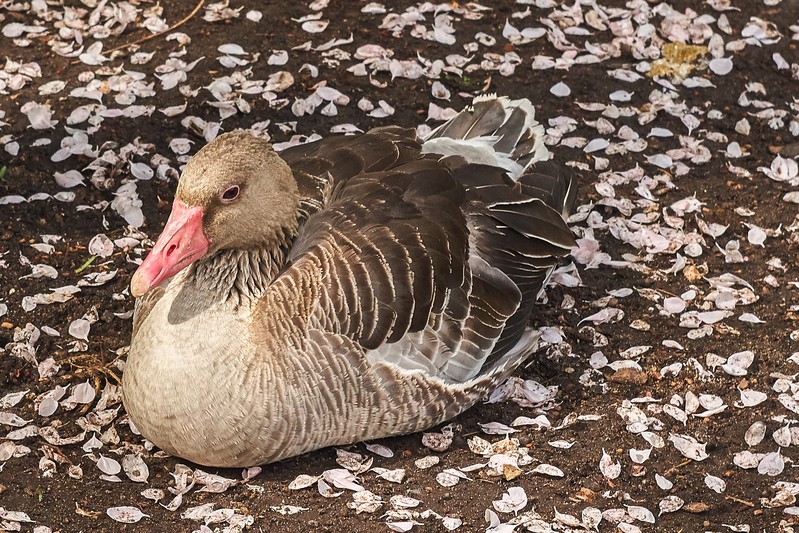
[180,244]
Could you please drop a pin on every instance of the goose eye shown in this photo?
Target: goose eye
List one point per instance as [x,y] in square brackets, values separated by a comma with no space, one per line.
[231,193]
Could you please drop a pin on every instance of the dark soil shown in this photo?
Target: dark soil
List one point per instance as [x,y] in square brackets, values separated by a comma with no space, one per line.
[53,500]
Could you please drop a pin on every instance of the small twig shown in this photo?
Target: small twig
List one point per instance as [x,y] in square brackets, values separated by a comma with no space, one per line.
[739,500]
[664,291]
[57,451]
[154,35]
[675,468]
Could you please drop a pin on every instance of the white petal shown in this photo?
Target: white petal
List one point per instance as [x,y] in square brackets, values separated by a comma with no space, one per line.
[674,305]
[101,246]
[721,65]
[596,145]
[755,434]
[231,49]
[608,468]
[663,483]
[109,466]
[125,514]
[660,132]
[660,160]
[711,317]
[379,449]
[689,447]
[752,319]
[440,91]
[621,96]
[780,61]
[715,484]
[315,26]
[670,504]
[302,481]
[84,393]
[772,464]
[512,501]
[560,89]
[68,179]
[142,171]
[641,513]
[79,329]
[783,436]
[135,468]
[548,470]
[756,236]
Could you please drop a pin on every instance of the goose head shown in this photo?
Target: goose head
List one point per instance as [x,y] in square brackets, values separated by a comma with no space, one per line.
[235,193]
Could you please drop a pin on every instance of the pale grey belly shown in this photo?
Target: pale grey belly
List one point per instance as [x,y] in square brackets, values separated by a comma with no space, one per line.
[195,390]
[202,391]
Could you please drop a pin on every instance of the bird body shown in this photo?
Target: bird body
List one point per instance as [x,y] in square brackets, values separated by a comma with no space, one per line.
[343,290]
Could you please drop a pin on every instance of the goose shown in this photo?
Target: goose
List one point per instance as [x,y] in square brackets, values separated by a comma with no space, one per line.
[343,290]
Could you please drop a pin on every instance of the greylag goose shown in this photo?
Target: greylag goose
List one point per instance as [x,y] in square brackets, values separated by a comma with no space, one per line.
[343,290]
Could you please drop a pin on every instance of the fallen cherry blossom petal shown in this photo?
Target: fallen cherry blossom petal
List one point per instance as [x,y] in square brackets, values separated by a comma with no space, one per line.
[772,464]
[715,484]
[560,89]
[608,468]
[721,66]
[126,514]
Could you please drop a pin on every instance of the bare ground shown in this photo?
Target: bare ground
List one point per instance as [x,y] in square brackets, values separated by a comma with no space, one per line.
[53,498]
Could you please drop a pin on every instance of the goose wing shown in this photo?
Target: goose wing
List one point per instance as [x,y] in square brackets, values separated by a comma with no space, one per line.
[386,233]
[421,260]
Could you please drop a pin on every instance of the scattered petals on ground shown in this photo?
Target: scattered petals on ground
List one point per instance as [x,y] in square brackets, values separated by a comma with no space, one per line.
[665,393]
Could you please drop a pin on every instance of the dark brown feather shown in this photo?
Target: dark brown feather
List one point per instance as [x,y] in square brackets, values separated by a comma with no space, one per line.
[391,231]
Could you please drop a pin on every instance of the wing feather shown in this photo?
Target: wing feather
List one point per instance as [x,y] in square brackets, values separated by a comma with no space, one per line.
[426,262]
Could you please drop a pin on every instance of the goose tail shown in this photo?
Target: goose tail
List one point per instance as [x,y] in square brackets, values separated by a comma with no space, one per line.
[495,131]
[517,228]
